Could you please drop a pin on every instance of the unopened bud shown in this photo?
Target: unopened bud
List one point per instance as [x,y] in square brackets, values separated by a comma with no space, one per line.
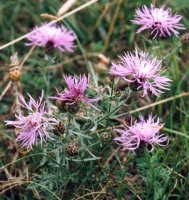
[64,106]
[106,136]
[185,38]
[71,149]
[59,129]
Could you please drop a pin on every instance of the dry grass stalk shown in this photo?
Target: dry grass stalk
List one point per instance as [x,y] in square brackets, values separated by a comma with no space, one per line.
[65,7]
[52,22]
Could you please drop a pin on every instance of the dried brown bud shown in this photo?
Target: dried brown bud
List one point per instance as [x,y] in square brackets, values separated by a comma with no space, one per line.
[14,75]
[48,16]
[103,59]
[100,67]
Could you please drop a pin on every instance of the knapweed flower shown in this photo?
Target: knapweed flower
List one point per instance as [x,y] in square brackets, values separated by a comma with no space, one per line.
[74,93]
[141,71]
[160,20]
[51,35]
[146,131]
[35,125]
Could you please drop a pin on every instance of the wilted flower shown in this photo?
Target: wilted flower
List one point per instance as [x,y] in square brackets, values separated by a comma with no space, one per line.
[142,71]
[143,131]
[160,20]
[35,125]
[54,36]
[75,92]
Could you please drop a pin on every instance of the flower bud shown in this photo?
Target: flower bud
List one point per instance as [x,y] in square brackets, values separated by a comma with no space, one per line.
[106,136]
[71,149]
[72,108]
[59,129]
[185,38]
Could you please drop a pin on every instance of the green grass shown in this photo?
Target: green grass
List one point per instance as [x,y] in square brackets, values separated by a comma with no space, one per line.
[100,170]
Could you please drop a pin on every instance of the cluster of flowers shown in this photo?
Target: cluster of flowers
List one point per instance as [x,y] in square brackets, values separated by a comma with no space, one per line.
[138,68]
[38,122]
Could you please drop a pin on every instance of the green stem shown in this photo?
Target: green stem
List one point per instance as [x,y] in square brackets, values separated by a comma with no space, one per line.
[175,132]
[152,45]
[110,103]
[69,122]
[172,52]
[114,110]
[80,47]
[52,193]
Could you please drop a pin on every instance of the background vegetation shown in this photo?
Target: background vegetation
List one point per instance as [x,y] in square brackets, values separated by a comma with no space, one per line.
[99,170]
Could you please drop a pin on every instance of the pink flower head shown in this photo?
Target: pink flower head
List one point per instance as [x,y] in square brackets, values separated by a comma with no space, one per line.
[52,35]
[142,131]
[141,70]
[75,92]
[36,125]
[160,20]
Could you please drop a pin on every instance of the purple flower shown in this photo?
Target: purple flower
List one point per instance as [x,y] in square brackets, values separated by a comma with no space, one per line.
[36,125]
[160,20]
[75,92]
[52,35]
[142,71]
[142,131]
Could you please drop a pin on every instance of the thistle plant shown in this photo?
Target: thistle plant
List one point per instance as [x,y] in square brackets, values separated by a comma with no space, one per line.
[93,135]
[160,20]
[36,125]
[48,35]
[75,93]
[143,131]
[142,72]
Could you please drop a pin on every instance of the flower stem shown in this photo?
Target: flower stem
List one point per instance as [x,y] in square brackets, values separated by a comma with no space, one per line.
[115,109]
[175,132]
[110,102]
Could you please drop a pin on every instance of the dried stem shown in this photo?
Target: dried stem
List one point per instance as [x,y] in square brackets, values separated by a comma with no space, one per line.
[91,193]
[106,42]
[17,108]
[160,102]
[6,89]
[107,8]
[65,7]
[27,56]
